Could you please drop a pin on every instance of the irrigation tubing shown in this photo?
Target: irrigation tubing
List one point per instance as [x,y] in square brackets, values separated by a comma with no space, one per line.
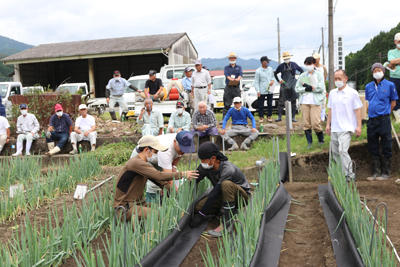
[272,229]
[344,246]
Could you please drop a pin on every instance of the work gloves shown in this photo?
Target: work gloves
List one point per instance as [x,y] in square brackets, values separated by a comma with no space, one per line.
[307,87]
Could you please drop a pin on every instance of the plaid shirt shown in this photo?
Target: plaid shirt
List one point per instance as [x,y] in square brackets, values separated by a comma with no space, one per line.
[204,119]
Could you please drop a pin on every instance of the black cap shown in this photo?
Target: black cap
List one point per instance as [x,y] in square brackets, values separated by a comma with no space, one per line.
[264,58]
[209,149]
[152,72]
[309,60]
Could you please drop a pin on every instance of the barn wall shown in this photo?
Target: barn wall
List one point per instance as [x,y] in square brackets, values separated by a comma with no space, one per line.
[131,65]
[53,73]
[182,52]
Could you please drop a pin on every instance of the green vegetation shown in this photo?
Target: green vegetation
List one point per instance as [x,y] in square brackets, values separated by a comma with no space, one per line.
[45,187]
[114,154]
[19,170]
[360,222]
[230,248]
[142,235]
[57,239]
[358,65]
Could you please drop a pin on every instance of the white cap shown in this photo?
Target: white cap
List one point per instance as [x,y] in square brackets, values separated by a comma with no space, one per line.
[316,55]
[397,36]
[82,106]
[151,141]
[197,62]
[237,100]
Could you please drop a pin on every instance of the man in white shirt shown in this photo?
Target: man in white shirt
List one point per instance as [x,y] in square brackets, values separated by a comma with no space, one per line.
[27,129]
[201,84]
[85,129]
[4,132]
[178,144]
[344,119]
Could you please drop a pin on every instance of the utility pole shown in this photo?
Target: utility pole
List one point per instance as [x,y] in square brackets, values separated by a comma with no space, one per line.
[323,46]
[279,43]
[330,44]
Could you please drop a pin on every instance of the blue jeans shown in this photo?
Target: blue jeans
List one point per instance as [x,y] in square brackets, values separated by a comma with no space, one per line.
[61,138]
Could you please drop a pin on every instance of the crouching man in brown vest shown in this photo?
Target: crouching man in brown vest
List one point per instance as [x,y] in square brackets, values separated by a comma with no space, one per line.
[129,192]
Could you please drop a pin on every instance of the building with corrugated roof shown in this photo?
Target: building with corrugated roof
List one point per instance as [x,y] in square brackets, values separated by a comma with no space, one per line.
[93,61]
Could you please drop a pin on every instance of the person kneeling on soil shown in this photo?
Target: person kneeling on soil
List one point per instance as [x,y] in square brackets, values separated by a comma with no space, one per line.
[166,161]
[129,192]
[59,130]
[239,116]
[230,186]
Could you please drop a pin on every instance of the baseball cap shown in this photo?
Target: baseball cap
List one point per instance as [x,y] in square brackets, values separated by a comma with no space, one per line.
[58,107]
[187,69]
[180,104]
[116,72]
[82,106]
[152,72]
[237,100]
[185,141]
[397,36]
[197,62]
[151,141]
[378,65]
[23,106]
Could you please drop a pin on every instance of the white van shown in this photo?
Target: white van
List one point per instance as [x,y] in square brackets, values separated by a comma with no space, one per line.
[8,89]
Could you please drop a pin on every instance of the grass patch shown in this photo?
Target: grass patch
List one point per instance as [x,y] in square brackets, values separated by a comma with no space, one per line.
[114,154]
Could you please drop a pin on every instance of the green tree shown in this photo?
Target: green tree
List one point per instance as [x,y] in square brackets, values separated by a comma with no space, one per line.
[358,64]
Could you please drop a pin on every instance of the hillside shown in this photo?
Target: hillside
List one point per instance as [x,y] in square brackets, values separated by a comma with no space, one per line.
[8,47]
[358,64]
[247,64]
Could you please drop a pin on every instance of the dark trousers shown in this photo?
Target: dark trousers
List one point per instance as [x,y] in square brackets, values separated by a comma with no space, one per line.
[379,136]
[397,84]
[281,107]
[261,107]
[230,92]
[61,138]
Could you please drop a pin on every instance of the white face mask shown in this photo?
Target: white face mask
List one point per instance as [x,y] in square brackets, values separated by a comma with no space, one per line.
[286,60]
[339,84]
[206,166]
[232,61]
[24,112]
[153,159]
[398,46]
[309,68]
[180,110]
[378,75]
[59,113]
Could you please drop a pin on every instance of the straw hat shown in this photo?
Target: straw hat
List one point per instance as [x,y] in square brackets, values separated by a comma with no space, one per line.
[232,54]
[286,55]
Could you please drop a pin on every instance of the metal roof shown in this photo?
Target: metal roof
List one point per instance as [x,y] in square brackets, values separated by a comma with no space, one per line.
[95,48]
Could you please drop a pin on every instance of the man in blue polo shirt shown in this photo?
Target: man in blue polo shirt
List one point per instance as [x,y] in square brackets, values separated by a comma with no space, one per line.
[239,116]
[381,95]
[233,74]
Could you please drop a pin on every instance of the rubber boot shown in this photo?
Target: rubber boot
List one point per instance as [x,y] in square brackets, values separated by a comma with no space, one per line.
[385,163]
[230,211]
[233,147]
[308,134]
[245,145]
[320,136]
[375,169]
[113,115]
[74,149]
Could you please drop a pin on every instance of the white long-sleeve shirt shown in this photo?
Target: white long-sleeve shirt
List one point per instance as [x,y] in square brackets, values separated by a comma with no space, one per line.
[27,123]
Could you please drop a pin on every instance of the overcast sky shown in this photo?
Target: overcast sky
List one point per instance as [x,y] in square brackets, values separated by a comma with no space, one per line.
[215,27]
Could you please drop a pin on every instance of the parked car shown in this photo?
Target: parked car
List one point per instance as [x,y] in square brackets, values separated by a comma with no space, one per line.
[8,89]
[73,88]
[32,89]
